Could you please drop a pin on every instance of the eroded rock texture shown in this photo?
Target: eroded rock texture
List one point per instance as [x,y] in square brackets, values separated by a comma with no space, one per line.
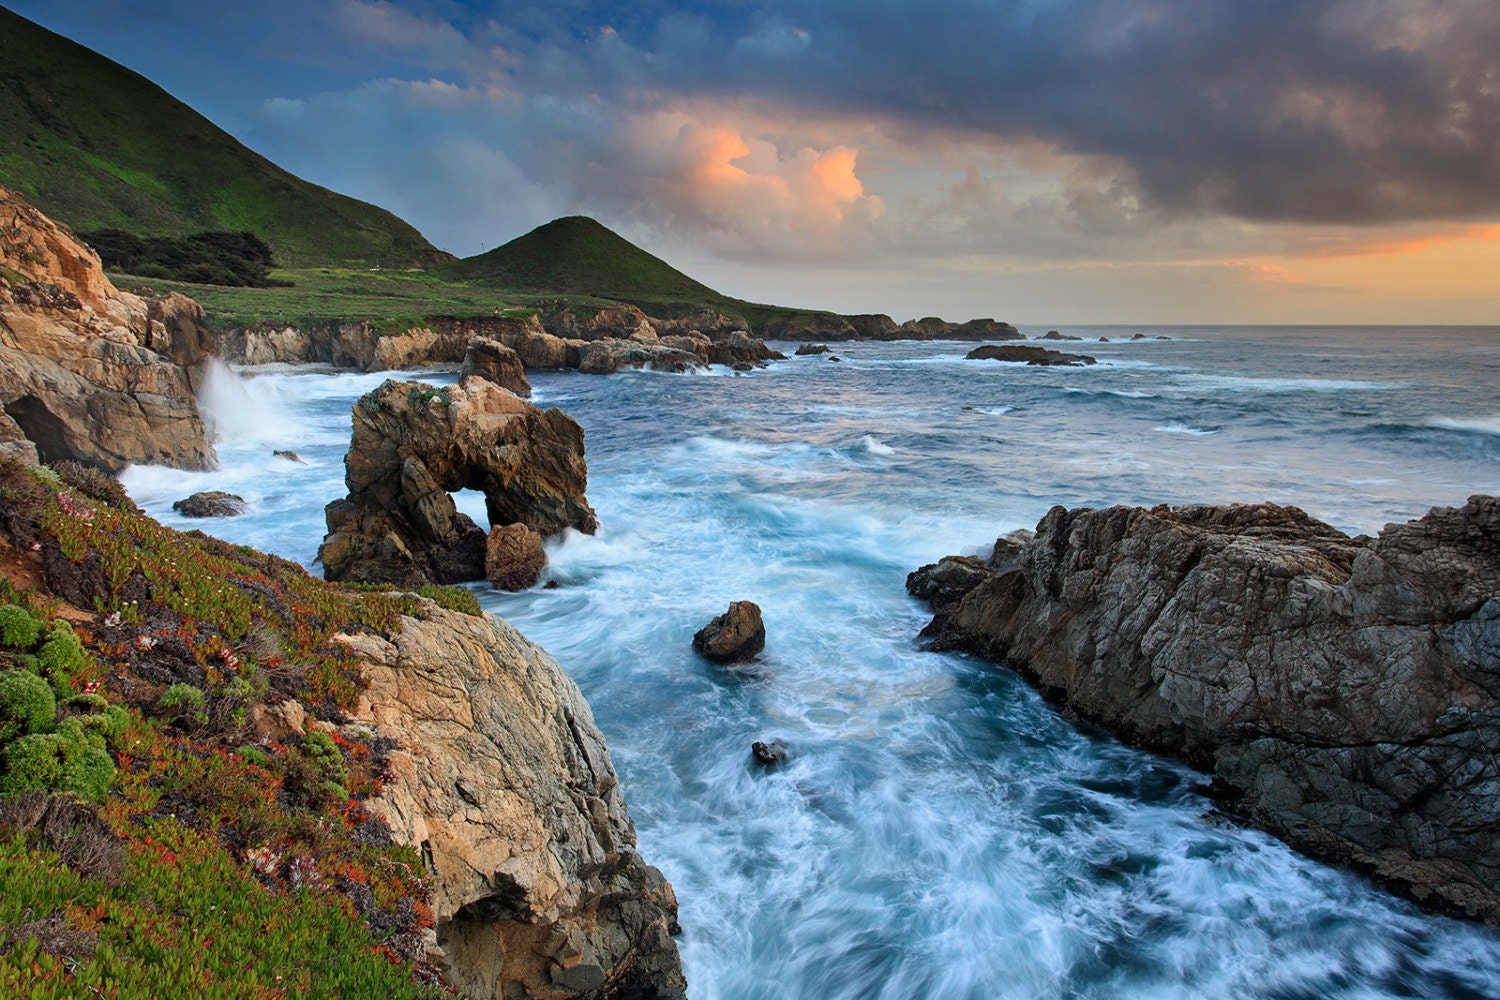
[413,445]
[1346,689]
[88,372]
[504,784]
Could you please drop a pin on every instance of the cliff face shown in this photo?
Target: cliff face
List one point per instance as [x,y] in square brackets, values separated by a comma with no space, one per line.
[88,372]
[1346,690]
[505,785]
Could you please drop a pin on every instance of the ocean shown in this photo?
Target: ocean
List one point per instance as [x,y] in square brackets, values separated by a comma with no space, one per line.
[938,830]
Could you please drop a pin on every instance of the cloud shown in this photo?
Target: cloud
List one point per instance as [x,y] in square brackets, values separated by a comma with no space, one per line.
[480,165]
[1352,111]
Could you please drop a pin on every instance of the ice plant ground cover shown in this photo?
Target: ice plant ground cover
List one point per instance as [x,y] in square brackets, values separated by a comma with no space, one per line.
[150,845]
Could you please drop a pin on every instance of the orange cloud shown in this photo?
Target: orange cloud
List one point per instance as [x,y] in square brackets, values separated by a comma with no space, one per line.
[747,188]
[1385,245]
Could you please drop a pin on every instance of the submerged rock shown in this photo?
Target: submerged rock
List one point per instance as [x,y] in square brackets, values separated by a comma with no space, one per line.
[88,372]
[737,635]
[504,785]
[1345,690]
[767,754]
[290,456]
[413,445]
[1026,354]
[211,503]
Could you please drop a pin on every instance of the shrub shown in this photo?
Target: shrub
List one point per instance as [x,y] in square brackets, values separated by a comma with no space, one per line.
[68,760]
[323,751]
[71,760]
[18,629]
[62,655]
[112,724]
[27,704]
[253,755]
[183,697]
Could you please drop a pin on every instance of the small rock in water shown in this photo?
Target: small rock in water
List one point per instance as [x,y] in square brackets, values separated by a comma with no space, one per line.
[737,635]
[290,456]
[834,357]
[768,754]
[807,349]
[211,503]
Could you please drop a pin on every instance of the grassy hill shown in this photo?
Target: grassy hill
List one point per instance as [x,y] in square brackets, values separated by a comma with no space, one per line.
[99,147]
[578,256]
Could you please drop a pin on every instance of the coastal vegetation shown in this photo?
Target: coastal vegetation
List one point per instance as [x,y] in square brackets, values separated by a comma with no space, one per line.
[152,841]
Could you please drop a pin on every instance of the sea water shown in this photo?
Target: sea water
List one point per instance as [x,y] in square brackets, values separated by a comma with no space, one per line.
[938,831]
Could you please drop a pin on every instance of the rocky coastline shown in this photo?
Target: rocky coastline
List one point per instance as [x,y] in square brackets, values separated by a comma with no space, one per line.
[598,342]
[487,761]
[1343,692]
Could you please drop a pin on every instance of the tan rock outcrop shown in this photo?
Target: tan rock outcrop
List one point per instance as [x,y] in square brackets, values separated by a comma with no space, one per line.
[494,362]
[88,372]
[413,445]
[1345,691]
[504,784]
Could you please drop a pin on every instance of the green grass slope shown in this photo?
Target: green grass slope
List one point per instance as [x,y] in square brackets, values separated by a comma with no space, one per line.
[578,256]
[97,146]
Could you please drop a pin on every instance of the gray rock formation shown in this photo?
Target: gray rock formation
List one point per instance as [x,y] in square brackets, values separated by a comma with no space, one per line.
[88,372]
[211,503]
[1028,354]
[503,783]
[413,445]
[602,357]
[1346,691]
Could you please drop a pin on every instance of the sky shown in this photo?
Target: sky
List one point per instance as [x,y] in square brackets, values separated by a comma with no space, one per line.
[1047,162]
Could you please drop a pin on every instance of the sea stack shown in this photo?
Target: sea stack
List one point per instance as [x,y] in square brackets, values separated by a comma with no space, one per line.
[413,445]
[1344,692]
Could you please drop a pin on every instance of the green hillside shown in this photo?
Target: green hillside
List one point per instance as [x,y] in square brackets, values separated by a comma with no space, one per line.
[578,256]
[99,147]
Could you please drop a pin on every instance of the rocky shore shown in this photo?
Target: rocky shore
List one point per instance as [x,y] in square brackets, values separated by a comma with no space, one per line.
[596,342]
[1344,692]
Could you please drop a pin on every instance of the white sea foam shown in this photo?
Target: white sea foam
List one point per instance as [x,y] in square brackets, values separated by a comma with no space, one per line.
[938,831]
[1473,425]
[1184,429]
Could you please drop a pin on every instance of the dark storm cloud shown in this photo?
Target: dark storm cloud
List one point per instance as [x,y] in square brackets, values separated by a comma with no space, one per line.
[1347,111]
